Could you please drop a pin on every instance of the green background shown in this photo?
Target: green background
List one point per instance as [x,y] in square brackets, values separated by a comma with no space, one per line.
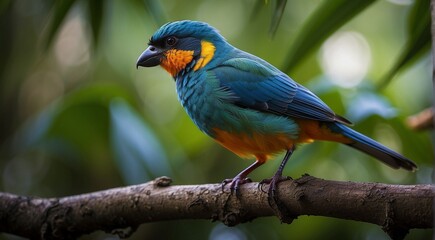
[76,116]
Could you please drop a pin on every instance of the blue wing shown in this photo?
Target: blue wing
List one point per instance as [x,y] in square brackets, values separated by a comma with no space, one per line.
[258,85]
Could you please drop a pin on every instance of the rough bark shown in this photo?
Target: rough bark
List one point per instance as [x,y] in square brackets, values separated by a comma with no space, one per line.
[396,208]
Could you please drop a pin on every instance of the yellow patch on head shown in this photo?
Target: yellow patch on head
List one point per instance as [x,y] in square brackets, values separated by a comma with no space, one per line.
[176,60]
[207,52]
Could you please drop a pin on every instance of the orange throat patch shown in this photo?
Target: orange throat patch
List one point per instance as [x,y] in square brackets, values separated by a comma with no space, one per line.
[176,60]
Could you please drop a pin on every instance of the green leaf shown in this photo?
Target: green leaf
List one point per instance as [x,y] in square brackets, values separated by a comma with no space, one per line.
[419,11]
[418,42]
[366,103]
[81,120]
[156,11]
[277,15]
[96,14]
[80,128]
[257,8]
[138,152]
[326,19]
[61,9]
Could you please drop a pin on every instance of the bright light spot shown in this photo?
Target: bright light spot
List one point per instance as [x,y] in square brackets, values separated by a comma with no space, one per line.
[346,58]
[72,46]
[221,232]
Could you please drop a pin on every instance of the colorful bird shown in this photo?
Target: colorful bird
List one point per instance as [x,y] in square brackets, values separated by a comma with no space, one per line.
[246,104]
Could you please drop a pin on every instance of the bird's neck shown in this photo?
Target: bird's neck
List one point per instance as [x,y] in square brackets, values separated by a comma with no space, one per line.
[207,58]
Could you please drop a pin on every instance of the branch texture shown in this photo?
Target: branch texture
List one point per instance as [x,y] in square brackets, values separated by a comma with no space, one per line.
[396,208]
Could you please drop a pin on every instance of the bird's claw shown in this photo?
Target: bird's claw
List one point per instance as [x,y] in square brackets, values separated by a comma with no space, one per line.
[274,202]
[273,183]
[234,183]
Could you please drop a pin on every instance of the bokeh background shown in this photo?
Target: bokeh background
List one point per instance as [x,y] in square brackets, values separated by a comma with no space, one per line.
[76,116]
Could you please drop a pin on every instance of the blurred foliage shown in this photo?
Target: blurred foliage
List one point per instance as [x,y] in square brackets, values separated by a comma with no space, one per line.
[326,19]
[418,42]
[277,16]
[77,116]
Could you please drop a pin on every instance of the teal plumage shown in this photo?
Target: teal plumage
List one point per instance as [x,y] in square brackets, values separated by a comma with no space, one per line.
[210,103]
[245,103]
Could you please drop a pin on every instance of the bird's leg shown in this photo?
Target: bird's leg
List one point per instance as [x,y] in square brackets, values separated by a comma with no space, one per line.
[277,178]
[242,177]
[273,199]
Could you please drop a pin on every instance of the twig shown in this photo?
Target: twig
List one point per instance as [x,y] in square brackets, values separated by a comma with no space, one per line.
[423,120]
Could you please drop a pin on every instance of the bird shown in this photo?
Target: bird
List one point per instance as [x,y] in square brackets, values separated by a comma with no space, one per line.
[246,104]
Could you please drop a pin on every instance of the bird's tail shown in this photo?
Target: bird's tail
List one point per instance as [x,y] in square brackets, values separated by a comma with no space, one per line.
[373,148]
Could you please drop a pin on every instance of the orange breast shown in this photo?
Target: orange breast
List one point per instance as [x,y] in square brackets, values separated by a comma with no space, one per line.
[264,146]
[256,145]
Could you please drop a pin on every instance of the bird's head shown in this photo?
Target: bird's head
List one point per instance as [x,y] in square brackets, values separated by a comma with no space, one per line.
[182,46]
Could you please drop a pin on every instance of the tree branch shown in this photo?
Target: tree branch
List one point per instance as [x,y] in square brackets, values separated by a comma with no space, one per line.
[396,208]
[423,120]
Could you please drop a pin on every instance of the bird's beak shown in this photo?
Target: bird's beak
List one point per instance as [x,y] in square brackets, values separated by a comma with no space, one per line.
[150,57]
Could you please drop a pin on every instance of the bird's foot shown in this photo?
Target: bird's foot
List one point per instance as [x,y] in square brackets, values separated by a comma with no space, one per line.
[273,182]
[275,203]
[235,183]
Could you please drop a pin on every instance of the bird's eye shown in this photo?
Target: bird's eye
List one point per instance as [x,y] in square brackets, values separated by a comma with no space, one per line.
[171,41]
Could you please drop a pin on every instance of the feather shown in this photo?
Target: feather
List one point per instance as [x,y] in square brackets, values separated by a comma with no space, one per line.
[260,86]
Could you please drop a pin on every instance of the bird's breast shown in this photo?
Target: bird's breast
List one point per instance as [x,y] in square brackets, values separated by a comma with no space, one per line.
[195,96]
[245,132]
[259,145]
